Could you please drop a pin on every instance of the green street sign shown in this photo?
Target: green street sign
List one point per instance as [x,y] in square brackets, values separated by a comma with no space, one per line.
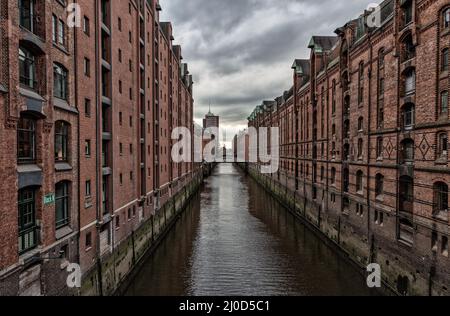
[49,199]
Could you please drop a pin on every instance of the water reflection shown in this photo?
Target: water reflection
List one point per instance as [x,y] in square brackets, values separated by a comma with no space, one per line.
[237,240]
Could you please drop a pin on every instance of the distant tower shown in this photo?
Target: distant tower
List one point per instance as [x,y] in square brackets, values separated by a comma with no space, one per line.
[211,120]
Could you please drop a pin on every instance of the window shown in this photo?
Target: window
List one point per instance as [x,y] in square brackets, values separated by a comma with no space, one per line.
[88,244]
[360,124]
[445,246]
[346,180]
[446,18]
[26,140]
[379,147]
[117,222]
[61,141]
[60,82]
[407,151]
[87,67]
[360,148]
[440,198]
[359,181]
[379,185]
[407,12]
[87,107]
[86,26]
[406,195]
[61,33]
[88,188]
[444,103]
[27,219]
[87,148]
[444,60]
[434,242]
[408,48]
[27,19]
[27,68]
[410,81]
[54,28]
[442,146]
[408,115]
[62,204]
[333,176]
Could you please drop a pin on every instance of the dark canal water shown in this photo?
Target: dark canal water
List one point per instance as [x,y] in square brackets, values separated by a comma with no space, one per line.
[236,240]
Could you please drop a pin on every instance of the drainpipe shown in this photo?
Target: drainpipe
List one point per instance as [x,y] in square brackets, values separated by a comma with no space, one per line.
[369,239]
[75,38]
[97,152]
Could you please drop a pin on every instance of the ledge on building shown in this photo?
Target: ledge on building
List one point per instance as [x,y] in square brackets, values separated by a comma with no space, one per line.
[63,232]
[62,166]
[64,105]
[29,175]
[33,101]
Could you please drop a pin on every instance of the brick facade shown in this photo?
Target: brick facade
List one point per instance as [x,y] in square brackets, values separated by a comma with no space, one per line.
[364,145]
[87,115]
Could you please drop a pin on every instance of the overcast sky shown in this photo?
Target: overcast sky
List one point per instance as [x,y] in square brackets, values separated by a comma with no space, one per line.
[241,51]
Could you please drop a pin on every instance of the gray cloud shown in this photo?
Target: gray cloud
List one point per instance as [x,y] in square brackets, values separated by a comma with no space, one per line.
[240,51]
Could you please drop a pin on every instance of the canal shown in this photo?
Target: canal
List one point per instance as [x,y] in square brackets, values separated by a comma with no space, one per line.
[234,240]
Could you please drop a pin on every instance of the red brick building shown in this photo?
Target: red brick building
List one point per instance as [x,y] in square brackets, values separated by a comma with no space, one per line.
[364,142]
[87,115]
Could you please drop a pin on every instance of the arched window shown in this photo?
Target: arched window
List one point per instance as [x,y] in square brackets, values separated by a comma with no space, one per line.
[444,103]
[61,141]
[27,68]
[26,140]
[442,146]
[408,114]
[27,219]
[440,198]
[379,185]
[359,181]
[407,151]
[410,81]
[60,77]
[62,204]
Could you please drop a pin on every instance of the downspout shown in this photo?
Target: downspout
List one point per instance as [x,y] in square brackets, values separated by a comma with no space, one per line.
[370,240]
[97,152]
[75,46]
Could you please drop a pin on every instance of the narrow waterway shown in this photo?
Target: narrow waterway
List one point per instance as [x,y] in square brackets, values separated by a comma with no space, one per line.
[237,240]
